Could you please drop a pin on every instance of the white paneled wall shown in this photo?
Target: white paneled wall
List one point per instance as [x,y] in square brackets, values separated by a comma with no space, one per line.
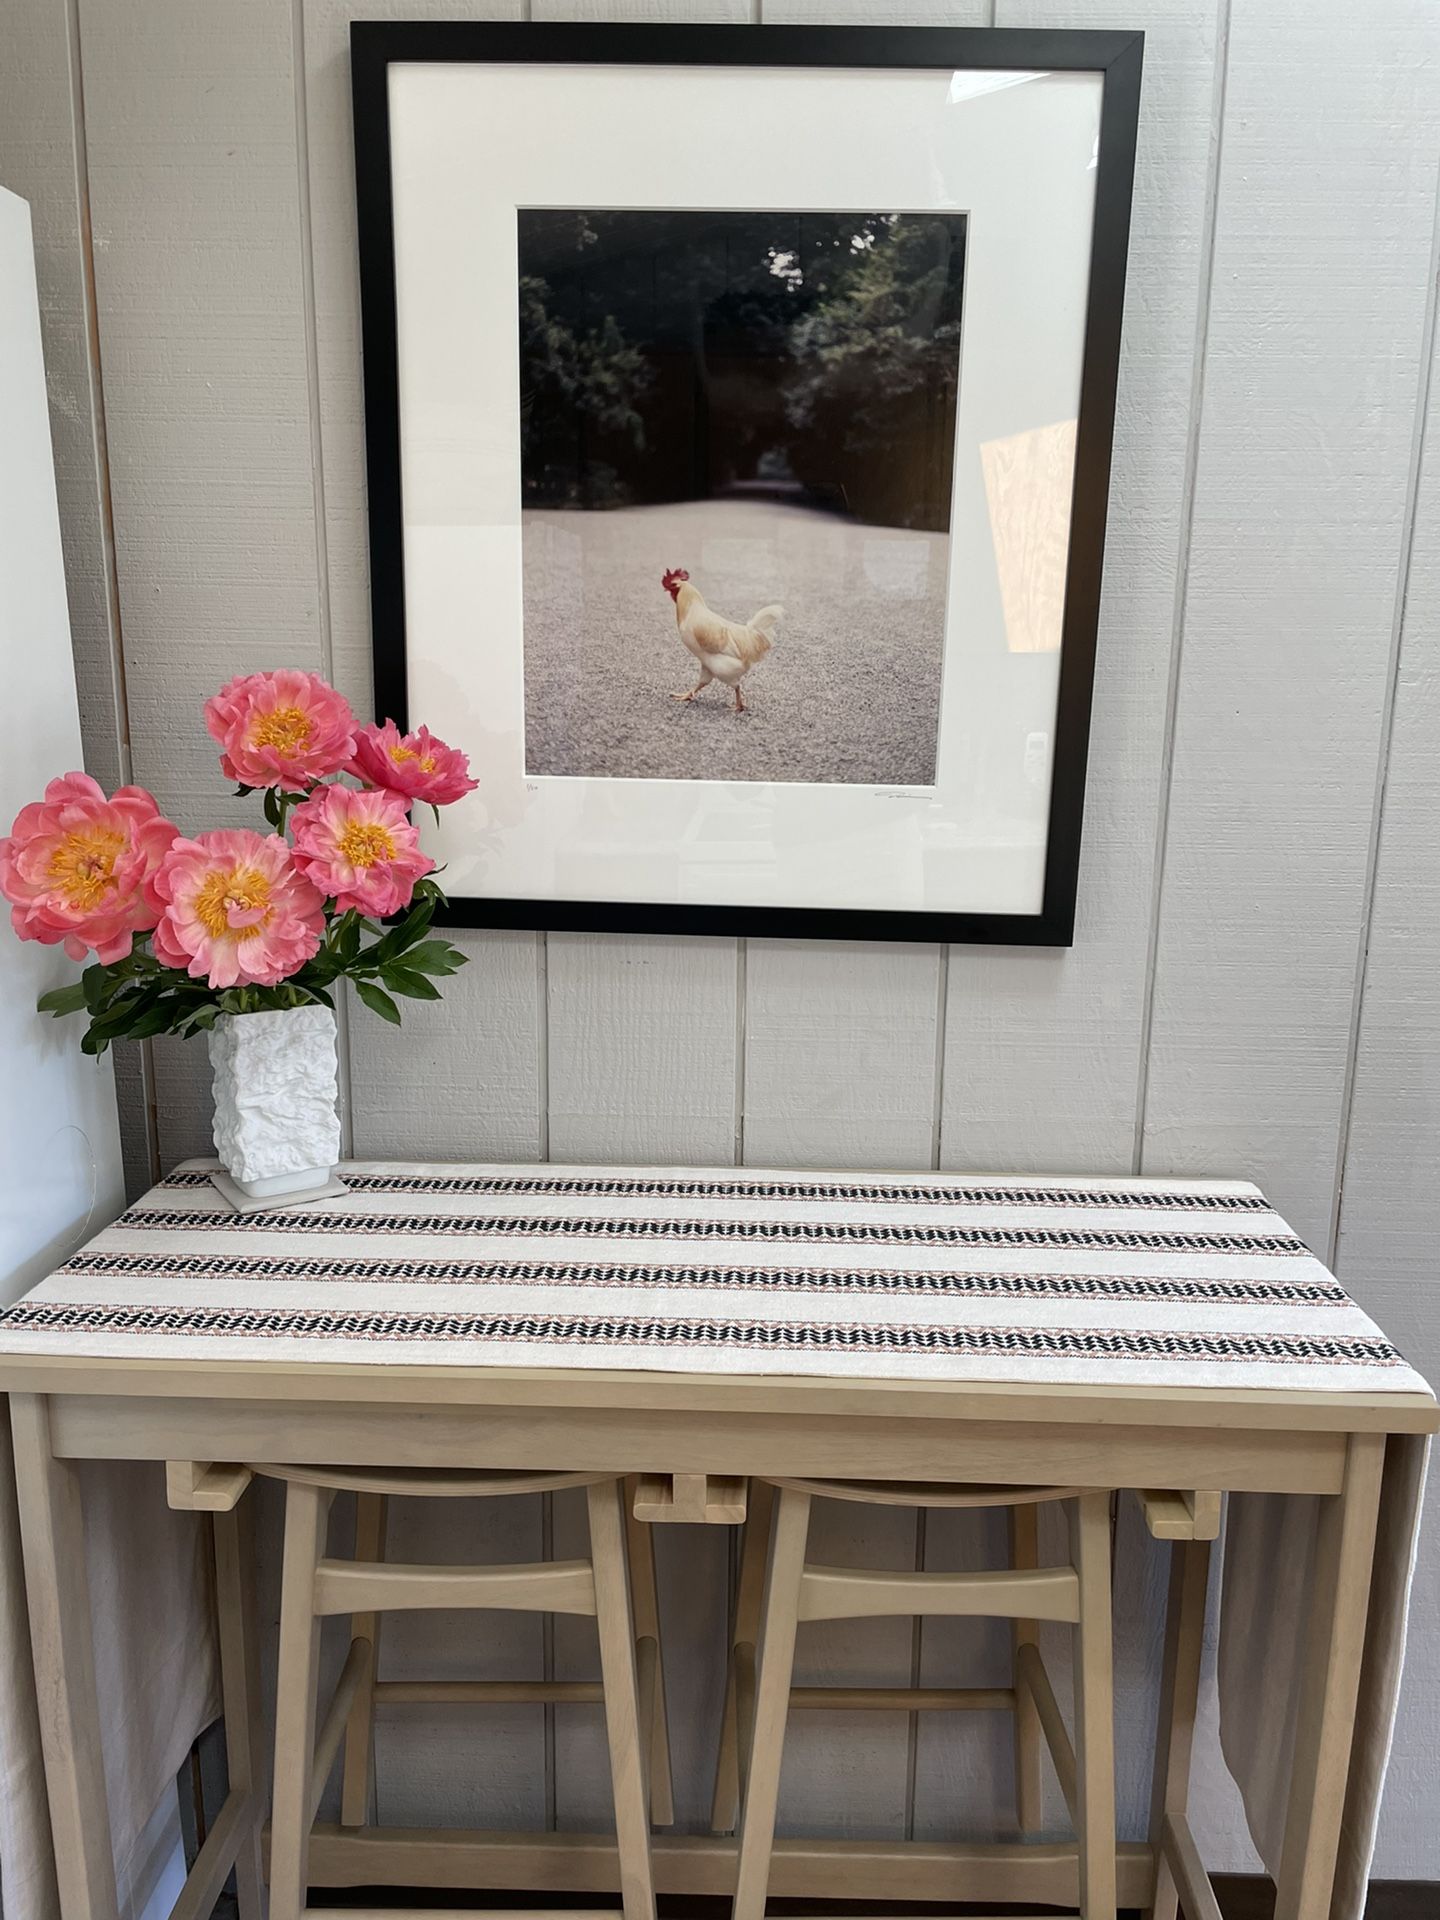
[1255,984]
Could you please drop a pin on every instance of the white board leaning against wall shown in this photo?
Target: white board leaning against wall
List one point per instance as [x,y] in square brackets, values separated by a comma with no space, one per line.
[60,1180]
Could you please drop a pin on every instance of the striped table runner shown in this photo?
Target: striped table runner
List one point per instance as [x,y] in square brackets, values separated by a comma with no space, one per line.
[898,1276]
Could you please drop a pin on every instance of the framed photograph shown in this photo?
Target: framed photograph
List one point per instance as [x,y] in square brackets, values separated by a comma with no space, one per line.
[738,411]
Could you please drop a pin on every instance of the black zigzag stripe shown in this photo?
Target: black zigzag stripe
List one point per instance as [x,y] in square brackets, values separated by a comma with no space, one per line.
[820,1232]
[917,1192]
[257,1270]
[564,1330]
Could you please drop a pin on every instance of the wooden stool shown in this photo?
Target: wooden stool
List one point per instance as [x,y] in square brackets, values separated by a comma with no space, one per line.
[1025,1593]
[314,1585]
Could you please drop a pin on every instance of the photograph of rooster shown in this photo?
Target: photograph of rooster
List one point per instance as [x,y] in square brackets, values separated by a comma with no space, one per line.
[725,650]
[726,411]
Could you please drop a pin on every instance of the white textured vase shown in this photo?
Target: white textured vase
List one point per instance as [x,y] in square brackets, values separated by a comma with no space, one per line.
[276,1128]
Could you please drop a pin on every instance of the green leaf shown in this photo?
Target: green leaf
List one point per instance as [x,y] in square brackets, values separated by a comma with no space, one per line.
[413,927]
[152,1020]
[242,791]
[62,1000]
[348,944]
[120,1018]
[96,985]
[274,812]
[196,1020]
[414,986]
[378,1001]
[434,956]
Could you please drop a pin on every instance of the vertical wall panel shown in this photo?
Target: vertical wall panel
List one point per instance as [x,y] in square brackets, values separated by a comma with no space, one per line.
[668,12]
[641,1049]
[462,1767]
[1390,1213]
[459,1080]
[876,13]
[1042,1058]
[190,124]
[1322,258]
[840,1053]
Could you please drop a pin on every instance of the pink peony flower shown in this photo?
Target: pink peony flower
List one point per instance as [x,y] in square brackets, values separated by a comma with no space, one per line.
[283,729]
[237,911]
[360,847]
[415,764]
[79,868]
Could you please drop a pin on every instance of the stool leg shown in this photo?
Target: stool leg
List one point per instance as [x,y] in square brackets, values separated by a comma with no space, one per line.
[240,1694]
[1024,1554]
[1094,1707]
[616,1626]
[779,1615]
[749,1591]
[307,1509]
[358,1778]
[645,1598]
[1179,1699]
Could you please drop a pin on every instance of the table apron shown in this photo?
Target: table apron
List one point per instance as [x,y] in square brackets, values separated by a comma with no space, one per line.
[632,1440]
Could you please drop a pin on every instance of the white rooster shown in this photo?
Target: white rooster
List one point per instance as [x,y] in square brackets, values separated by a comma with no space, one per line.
[725,650]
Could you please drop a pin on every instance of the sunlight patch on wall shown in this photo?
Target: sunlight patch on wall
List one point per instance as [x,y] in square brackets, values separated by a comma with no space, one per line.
[1028,480]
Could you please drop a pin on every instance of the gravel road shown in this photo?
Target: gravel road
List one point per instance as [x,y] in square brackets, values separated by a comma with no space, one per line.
[850,693]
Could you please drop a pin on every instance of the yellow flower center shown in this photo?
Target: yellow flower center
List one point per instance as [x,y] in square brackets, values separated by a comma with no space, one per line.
[244,891]
[287,729]
[362,843]
[83,865]
[400,753]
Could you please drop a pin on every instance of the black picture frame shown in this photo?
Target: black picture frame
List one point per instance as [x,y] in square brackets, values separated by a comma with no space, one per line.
[1115,55]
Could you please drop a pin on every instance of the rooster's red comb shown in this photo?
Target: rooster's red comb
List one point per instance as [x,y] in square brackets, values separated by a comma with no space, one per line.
[671,575]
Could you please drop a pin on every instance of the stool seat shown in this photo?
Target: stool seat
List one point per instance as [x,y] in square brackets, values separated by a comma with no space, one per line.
[430,1483]
[924,1493]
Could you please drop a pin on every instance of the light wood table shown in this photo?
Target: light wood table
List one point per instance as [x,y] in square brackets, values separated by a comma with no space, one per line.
[66,1410]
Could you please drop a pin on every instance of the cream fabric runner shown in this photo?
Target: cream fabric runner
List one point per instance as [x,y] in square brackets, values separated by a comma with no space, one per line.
[896,1276]
[1118,1281]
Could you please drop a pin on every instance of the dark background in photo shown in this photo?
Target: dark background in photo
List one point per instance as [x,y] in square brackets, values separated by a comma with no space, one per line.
[670,356]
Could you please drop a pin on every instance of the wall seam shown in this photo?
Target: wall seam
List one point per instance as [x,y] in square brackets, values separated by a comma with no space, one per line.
[100,443]
[1182,575]
[942,1016]
[542,1043]
[742,1015]
[1387,726]
[317,472]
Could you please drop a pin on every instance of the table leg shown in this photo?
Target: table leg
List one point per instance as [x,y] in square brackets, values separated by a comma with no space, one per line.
[58,1591]
[615,1624]
[1326,1722]
[1179,1699]
[240,1694]
[745,1632]
[760,1772]
[1089,1518]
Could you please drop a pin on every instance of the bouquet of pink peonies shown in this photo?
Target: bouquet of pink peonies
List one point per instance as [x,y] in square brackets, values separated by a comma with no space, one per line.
[234,921]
